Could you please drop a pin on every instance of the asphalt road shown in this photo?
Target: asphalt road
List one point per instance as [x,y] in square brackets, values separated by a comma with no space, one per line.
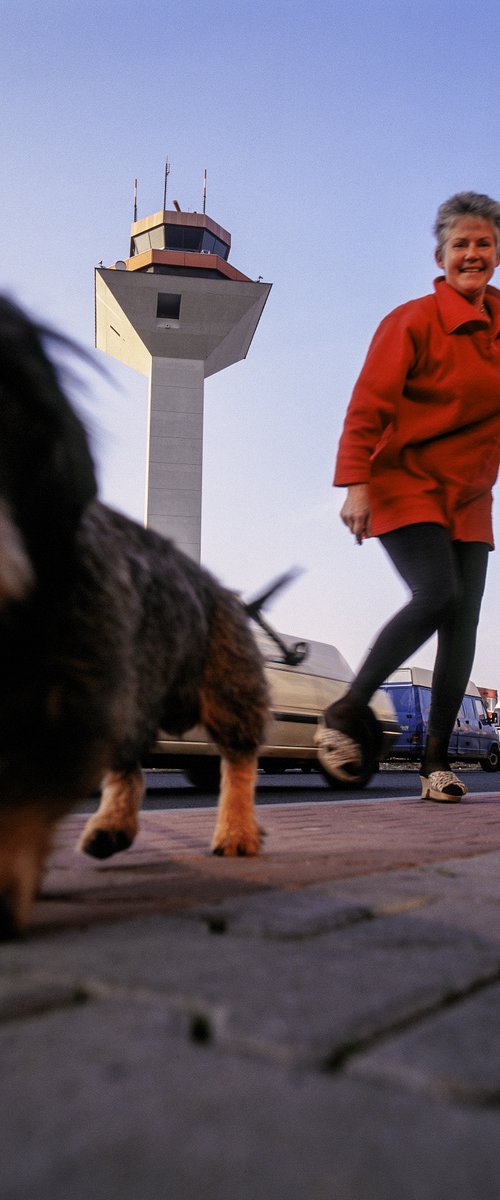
[170,789]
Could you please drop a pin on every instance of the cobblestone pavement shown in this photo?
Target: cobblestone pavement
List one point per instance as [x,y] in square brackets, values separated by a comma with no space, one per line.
[320,1022]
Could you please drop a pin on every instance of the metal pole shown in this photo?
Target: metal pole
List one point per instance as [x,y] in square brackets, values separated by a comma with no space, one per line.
[167,173]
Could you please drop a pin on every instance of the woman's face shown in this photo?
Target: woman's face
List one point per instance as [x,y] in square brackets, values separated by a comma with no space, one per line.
[469,256]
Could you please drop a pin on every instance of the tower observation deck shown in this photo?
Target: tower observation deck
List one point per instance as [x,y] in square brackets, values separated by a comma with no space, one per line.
[177,311]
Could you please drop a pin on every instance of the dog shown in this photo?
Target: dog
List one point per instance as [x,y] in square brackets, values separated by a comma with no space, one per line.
[107,633]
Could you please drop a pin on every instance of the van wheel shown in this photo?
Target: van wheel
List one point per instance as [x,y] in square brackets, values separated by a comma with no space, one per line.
[492,762]
[204,773]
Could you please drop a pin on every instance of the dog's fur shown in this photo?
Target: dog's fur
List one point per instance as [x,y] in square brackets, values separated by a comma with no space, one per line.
[107,632]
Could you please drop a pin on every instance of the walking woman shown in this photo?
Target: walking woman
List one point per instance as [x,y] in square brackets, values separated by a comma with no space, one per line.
[419,455]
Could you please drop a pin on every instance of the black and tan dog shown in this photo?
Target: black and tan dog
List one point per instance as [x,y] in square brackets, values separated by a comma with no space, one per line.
[107,632]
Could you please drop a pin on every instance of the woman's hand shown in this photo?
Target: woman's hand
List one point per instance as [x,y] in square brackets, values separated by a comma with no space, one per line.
[356,511]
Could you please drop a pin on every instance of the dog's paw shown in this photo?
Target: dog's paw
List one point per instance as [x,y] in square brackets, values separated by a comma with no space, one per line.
[102,843]
[229,842]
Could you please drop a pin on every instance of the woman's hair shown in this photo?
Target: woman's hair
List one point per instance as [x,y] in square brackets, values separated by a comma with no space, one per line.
[465,204]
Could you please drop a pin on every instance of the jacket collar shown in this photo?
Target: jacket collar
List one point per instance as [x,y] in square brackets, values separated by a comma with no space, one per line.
[455,311]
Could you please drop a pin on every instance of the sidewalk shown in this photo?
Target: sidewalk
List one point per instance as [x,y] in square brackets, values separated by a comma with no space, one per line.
[319,1022]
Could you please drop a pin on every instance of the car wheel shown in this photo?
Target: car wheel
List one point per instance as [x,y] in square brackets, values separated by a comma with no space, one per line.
[204,773]
[492,762]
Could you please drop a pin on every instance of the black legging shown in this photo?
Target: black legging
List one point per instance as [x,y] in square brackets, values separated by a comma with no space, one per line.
[446,579]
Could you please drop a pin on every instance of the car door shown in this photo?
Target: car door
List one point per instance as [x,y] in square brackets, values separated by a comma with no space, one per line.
[488,732]
[469,729]
[295,707]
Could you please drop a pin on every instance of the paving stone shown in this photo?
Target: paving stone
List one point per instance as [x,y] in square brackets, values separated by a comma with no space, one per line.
[169,867]
[103,1101]
[454,1053]
[283,914]
[307,1001]
[461,893]
[21,997]
[179,1055]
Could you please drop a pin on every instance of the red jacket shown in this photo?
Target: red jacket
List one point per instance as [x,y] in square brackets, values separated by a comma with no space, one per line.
[423,425]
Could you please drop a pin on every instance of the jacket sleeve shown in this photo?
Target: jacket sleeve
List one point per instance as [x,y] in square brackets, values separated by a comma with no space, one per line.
[375,400]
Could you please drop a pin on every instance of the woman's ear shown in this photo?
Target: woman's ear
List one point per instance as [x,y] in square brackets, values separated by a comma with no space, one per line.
[438,258]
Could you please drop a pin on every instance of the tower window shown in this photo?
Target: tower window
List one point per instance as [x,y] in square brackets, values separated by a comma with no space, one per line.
[169,305]
[183,237]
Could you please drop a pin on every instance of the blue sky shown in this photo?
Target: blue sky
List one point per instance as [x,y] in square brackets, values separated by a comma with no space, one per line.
[330,132]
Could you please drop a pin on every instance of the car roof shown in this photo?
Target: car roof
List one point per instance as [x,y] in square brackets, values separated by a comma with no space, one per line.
[321,658]
[422,677]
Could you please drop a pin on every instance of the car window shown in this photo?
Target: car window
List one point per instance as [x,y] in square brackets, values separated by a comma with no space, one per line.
[292,690]
[468,708]
[425,702]
[402,699]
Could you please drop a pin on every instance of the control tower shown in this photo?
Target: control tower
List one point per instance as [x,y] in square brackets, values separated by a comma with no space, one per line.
[176,310]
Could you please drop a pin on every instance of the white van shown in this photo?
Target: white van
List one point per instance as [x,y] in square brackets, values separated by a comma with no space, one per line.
[315,675]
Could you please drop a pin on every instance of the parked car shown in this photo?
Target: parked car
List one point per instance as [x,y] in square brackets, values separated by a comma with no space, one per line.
[474,738]
[304,678]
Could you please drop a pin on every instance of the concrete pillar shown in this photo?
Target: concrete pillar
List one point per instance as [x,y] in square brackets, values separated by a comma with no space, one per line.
[174,474]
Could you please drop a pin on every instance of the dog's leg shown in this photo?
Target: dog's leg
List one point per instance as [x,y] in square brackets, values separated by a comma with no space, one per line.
[237,831]
[234,710]
[26,832]
[115,824]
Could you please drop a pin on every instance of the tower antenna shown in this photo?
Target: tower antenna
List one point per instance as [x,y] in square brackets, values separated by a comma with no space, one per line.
[135,199]
[167,173]
[204,191]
